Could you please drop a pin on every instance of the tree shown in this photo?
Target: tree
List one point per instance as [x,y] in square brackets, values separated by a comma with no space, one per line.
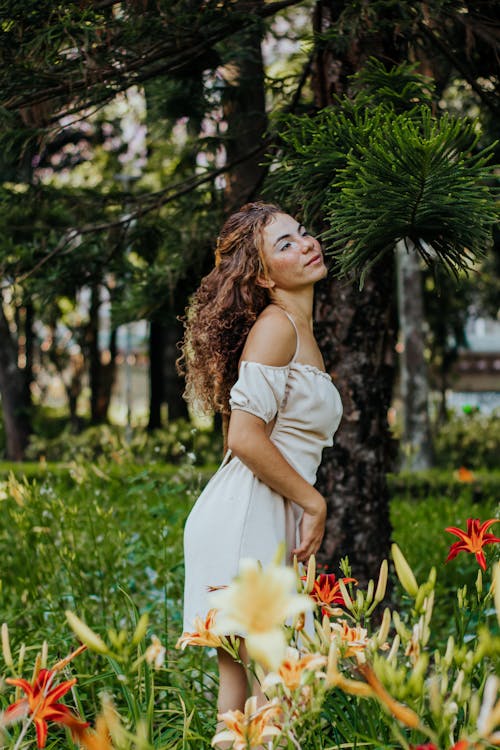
[378,176]
[453,42]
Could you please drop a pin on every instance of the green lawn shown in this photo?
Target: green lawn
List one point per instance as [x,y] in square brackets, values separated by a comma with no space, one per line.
[106,543]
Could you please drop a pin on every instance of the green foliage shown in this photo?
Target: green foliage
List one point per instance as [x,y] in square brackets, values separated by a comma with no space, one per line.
[179,442]
[106,542]
[379,174]
[471,440]
[415,178]
[396,87]
[89,536]
[483,486]
[416,522]
[84,55]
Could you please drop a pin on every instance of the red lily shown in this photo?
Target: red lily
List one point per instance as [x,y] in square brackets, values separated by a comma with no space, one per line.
[473,540]
[41,704]
[326,591]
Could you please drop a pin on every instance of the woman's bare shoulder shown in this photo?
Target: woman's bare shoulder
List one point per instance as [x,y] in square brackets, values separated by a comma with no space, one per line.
[272,339]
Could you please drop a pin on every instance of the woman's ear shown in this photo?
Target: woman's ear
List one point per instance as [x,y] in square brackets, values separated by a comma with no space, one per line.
[265,281]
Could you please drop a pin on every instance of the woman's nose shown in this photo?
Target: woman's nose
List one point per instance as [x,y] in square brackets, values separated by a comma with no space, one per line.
[307,243]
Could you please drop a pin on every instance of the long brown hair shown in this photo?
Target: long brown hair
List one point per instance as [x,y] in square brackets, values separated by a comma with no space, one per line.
[224,308]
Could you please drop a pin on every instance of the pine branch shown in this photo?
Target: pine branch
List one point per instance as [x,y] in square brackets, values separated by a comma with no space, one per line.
[153,202]
[93,84]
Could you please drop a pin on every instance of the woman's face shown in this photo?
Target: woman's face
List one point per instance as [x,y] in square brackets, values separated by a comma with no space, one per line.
[293,258]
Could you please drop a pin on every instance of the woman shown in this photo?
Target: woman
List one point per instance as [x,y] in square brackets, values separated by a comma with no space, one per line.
[249,350]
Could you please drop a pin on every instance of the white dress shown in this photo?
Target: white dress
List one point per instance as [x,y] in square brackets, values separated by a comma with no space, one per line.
[239,516]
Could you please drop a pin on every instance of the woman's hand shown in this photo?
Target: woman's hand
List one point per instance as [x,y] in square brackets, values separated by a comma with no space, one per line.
[312,529]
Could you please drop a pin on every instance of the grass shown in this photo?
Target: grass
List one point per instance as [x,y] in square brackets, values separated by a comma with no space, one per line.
[106,542]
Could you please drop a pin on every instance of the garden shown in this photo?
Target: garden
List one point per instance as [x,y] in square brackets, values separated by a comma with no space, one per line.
[92,653]
[129,132]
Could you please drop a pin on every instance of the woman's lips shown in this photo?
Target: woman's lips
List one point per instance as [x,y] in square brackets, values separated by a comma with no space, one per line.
[313,260]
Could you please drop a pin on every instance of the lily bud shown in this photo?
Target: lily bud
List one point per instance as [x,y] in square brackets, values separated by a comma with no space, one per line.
[345,595]
[462,597]
[394,649]
[44,654]
[296,568]
[311,574]
[20,658]
[496,589]
[326,626]
[140,629]
[401,629]
[448,654]
[85,634]
[479,582]
[423,592]
[384,627]
[443,688]
[456,690]
[7,654]
[435,700]
[369,592]
[404,572]
[382,582]
[37,667]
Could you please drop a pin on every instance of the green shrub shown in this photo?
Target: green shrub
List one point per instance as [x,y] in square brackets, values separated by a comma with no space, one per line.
[471,440]
[180,442]
[438,483]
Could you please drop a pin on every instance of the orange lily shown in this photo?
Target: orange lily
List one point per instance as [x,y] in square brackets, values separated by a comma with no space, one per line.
[203,635]
[473,540]
[98,739]
[292,668]
[465,475]
[326,591]
[249,729]
[41,704]
[352,641]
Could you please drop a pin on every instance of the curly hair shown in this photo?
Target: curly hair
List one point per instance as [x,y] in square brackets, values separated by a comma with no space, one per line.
[224,308]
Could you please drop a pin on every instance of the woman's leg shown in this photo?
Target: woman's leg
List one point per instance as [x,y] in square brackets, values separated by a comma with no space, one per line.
[233,684]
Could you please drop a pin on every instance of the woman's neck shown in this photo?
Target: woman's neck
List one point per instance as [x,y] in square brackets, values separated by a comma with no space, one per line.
[298,304]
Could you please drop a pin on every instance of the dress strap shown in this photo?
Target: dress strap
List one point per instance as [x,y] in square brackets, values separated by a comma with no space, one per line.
[296,333]
[226,459]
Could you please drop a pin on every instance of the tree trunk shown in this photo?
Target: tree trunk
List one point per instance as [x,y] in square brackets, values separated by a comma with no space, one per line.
[106,380]
[244,107]
[15,407]
[94,359]
[29,350]
[356,332]
[417,441]
[156,374]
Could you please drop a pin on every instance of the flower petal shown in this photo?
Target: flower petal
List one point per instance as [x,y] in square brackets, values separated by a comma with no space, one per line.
[267,648]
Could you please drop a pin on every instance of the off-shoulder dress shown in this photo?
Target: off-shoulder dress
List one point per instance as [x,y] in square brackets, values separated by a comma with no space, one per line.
[237,515]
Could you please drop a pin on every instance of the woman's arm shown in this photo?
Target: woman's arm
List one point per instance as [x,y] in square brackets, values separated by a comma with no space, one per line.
[249,441]
[272,341]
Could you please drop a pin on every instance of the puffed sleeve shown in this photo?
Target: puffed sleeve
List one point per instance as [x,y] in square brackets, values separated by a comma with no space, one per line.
[259,390]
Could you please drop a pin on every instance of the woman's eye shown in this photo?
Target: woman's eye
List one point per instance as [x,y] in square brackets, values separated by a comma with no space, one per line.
[285,245]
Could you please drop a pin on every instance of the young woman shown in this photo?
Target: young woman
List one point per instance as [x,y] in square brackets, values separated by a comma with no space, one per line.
[249,352]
